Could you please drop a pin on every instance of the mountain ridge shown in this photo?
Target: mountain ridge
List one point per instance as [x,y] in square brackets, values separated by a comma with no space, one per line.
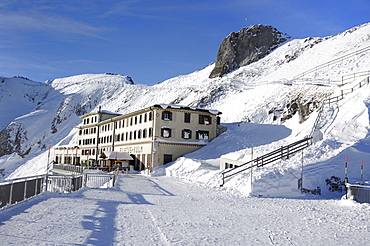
[262,92]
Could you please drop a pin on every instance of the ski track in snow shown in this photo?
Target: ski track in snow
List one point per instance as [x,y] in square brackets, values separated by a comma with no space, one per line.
[158,211]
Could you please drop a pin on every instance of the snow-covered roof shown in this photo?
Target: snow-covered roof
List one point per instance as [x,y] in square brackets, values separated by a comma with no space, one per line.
[101,111]
[175,106]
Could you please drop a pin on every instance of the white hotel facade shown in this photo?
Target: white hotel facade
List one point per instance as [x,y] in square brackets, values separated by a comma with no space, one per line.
[152,136]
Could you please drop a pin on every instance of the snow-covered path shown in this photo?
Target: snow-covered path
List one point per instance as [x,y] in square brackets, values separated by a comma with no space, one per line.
[167,211]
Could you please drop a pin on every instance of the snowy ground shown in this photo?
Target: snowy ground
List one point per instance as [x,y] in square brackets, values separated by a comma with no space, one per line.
[167,211]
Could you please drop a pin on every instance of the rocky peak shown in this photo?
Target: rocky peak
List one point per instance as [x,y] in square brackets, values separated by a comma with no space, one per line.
[246,46]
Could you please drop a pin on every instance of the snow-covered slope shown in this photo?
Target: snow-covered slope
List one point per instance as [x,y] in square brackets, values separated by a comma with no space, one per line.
[264,92]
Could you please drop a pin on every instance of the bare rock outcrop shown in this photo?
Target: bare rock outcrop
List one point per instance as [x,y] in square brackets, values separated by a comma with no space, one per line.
[246,46]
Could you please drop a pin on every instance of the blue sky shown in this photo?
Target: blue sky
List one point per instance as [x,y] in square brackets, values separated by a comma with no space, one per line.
[149,40]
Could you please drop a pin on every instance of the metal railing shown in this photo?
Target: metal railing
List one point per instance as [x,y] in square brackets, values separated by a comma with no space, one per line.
[344,92]
[359,193]
[17,190]
[284,152]
[69,168]
[64,183]
[95,180]
[332,62]
[353,76]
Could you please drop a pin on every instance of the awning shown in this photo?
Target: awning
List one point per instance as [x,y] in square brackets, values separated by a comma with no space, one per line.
[115,155]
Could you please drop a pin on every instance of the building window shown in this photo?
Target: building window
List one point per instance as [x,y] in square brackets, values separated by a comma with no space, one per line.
[187,117]
[134,134]
[166,132]
[139,134]
[186,134]
[131,121]
[144,133]
[150,132]
[166,115]
[203,135]
[145,117]
[130,135]
[135,120]
[205,119]
[228,165]
[167,159]
[140,119]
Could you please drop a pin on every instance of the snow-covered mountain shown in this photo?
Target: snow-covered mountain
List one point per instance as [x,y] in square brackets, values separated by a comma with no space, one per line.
[266,104]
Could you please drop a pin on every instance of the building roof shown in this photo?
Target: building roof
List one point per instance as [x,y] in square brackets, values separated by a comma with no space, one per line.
[175,106]
[101,112]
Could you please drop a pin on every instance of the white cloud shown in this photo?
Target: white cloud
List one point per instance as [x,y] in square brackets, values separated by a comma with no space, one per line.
[51,25]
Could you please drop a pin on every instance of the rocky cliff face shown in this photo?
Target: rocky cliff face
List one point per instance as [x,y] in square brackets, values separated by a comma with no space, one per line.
[246,46]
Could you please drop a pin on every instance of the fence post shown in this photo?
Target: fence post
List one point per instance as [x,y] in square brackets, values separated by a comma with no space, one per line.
[11,193]
[36,183]
[223,179]
[25,189]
